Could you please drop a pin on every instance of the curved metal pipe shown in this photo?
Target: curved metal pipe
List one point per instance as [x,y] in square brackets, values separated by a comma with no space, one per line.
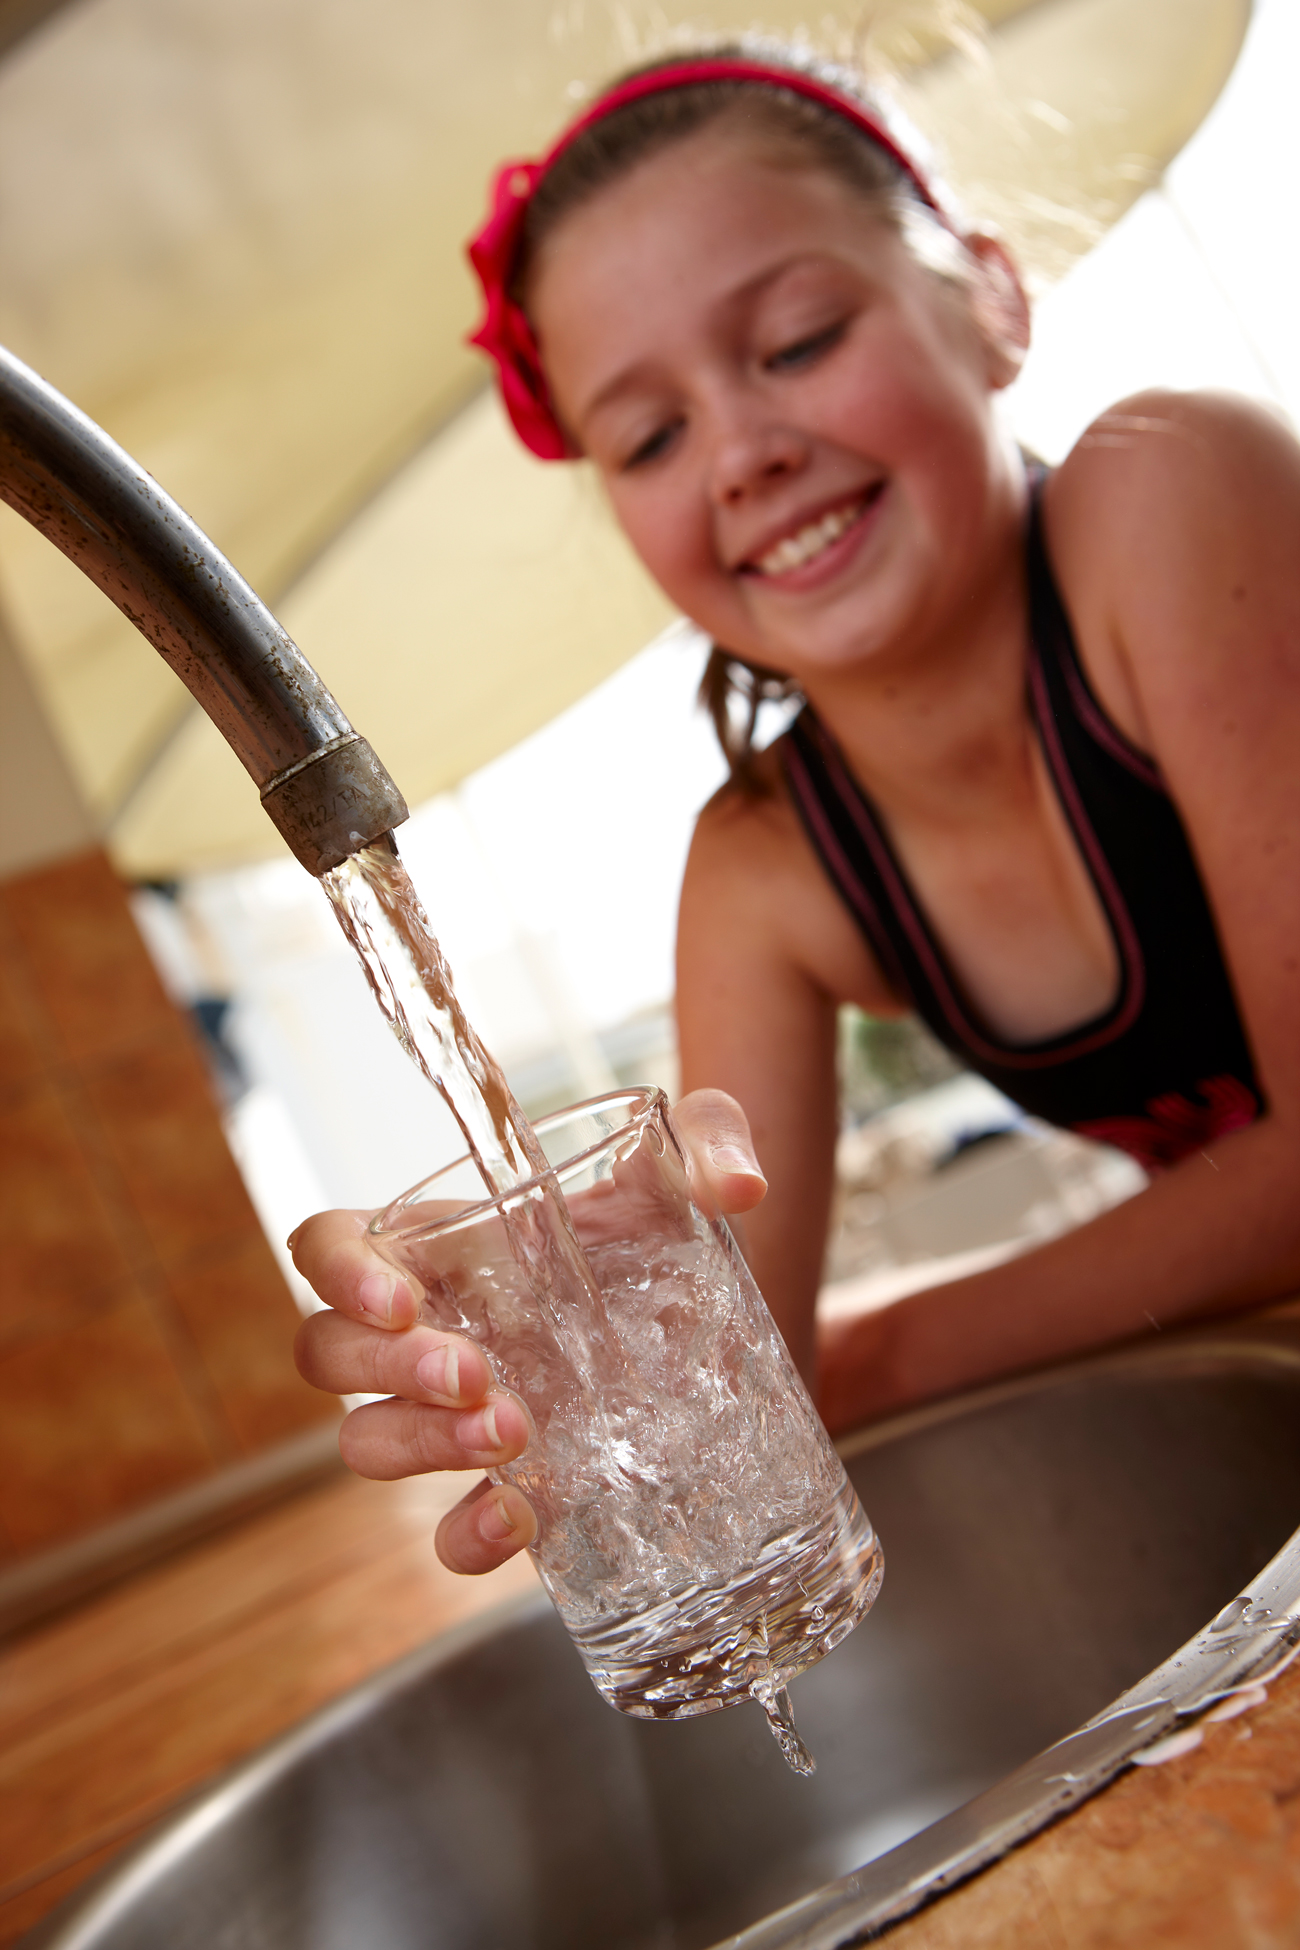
[320,782]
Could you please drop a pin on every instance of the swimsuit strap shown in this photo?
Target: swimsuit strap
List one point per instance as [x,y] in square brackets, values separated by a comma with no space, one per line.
[1173,1024]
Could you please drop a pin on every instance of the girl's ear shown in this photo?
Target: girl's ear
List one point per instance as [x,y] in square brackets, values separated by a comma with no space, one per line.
[999,307]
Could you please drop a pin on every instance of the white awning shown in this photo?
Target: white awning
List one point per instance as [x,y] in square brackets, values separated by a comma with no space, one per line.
[233,232]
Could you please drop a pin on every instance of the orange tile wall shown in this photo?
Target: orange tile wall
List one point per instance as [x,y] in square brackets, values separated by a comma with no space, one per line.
[145,1330]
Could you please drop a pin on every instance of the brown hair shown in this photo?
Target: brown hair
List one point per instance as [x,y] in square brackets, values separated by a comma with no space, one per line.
[799,132]
[793,128]
[733,692]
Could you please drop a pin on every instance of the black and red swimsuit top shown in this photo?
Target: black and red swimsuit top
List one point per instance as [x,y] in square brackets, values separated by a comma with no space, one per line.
[1167,1066]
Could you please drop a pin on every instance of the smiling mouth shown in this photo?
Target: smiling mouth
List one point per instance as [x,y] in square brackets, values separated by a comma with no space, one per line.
[807,543]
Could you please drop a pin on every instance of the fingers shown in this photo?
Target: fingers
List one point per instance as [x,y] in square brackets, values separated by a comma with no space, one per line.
[443,1410]
[332,1251]
[389,1439]
[423,1363]
[486,1527]
[725,1173]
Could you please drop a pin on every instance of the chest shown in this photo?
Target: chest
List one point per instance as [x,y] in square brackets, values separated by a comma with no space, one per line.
[1007,895]
[1000,888]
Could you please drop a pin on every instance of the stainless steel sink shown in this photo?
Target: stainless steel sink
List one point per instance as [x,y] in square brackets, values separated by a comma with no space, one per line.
[1052,1546]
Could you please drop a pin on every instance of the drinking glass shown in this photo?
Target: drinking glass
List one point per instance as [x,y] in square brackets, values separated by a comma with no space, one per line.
[696,1529]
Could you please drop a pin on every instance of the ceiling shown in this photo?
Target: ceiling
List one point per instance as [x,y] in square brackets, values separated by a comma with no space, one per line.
[232,233]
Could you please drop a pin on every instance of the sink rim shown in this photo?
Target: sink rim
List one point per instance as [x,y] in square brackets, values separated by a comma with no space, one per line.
[949,1851]
[1213,1663]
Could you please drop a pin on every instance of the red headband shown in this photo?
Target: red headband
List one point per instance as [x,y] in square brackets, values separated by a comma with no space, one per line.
[505,334]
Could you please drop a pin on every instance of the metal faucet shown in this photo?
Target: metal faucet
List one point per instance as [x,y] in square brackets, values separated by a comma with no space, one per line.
[321,784]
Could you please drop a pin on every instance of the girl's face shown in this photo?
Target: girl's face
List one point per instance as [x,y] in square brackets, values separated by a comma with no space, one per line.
[792,416]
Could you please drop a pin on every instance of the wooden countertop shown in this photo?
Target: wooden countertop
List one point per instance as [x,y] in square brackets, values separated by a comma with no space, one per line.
[1202,1853]
[115,1713]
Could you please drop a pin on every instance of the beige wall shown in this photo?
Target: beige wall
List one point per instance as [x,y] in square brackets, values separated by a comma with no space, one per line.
[41,813]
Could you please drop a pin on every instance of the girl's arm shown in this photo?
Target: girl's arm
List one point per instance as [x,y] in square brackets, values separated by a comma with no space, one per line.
[1175,532]
[1217,1233]
[765,949]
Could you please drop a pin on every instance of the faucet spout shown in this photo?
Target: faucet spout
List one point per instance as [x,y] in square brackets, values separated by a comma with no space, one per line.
[320,782]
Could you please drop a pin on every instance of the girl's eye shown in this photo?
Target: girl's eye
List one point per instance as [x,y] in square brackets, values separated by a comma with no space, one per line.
[805,351]
[653,446]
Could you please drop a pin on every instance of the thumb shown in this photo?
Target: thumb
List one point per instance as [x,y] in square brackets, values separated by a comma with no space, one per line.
[725,1173]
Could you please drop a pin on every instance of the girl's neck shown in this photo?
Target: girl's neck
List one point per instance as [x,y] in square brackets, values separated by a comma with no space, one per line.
[939,733]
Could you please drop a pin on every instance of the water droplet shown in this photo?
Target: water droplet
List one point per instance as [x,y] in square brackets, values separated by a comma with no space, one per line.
[1232,1614]
[775,1702]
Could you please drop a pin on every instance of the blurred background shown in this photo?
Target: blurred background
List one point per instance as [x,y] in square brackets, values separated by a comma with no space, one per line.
[232,234]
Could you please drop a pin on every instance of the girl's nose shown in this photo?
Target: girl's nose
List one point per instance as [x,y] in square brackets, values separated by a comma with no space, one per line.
[753,452]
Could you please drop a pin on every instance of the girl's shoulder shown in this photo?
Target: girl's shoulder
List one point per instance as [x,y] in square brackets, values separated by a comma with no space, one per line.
[748,843]
[755,893]
[1171,512]
[1160,447]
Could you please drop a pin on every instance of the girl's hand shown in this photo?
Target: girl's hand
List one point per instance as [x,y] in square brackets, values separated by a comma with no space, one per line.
[444,1410]
[725,1175]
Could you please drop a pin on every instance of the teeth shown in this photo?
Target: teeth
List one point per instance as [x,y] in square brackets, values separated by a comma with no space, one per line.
[794,550]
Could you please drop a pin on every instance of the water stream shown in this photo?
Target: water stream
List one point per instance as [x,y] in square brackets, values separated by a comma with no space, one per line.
[386,925]
[384,921]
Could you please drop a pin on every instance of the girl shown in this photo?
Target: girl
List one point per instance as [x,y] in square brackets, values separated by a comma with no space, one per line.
[1042,786]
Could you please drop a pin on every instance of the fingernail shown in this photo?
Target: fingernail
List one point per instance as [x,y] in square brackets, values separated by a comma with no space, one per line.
[495,1521]
[376,1294]
[730,1157]
[439,1371]
[478,1432]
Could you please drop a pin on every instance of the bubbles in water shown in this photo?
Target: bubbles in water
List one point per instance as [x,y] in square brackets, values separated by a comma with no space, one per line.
[742,1636]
